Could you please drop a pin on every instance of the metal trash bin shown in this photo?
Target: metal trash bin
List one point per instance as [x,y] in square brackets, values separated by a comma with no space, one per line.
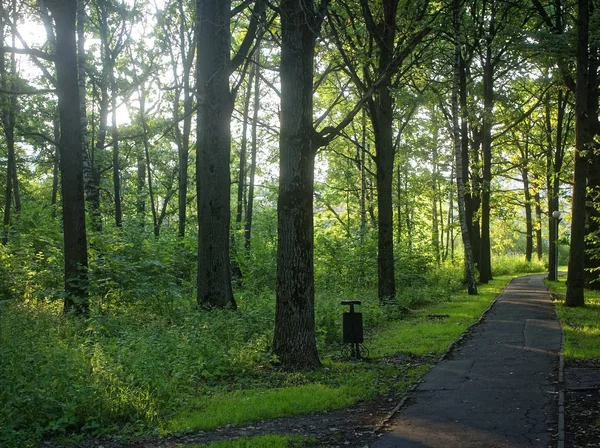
[353,332]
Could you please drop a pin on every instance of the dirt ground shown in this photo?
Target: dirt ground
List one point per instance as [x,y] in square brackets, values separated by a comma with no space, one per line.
[582,412]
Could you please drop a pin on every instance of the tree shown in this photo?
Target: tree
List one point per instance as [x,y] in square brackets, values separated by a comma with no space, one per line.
[90,170]
[294,338]
[554,164]
[587,124]
[215,106]
[7,118]
[583,146]
[183,48]
[113,44]
[456,138]
[71,163]
[389,50]
[253,151]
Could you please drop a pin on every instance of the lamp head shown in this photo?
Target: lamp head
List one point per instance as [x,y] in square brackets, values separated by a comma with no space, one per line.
[556,214]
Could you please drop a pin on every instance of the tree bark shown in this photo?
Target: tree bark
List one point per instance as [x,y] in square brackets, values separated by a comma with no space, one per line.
[141,190]
[381,112]
[254,150]
[471,192]
[538,226]
[485,258]
[215,105]
[583,141]
[90,188]
[54,195]
[458,153]
[242,186]
[9,138]
[435,232]
[591,260]
[8,126]
[294,337]
[554,161]
[71,163]
[116,165]
[528,215]
[148,164]
[182,134]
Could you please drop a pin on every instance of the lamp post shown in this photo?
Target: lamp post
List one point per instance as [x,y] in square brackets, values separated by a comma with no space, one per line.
[556,216]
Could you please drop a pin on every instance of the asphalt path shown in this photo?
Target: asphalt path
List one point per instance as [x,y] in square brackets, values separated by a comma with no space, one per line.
[498,388]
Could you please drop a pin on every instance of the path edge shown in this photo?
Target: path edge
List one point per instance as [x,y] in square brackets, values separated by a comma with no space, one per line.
[561,380]
[443,356]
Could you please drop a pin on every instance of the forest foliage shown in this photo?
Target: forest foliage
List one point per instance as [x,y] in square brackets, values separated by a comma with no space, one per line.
[164,163]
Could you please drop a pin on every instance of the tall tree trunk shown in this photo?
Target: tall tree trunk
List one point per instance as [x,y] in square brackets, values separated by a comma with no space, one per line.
[93,193]
[144,124]
[591,261]
[450,222]
[435,232]
[485,258]
[88,162]
[147,165]
[294,338]
[141,190]
[9,139]
[361,153]
[554,162]
[399,202]
[54,196]
[529,227]
[381,112]
[528,215]
[385,170]
[456,134]
[583,140]
[8,127]
[363,178]
[116,165]
[13,107]
[215,105]
[242,187]
[71,163]
[254,150]
[182,135]
[538,226]
[471,200]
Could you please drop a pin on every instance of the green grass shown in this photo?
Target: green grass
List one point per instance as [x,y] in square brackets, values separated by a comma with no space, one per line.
[419,335]
[337,385]
[132,370]
[346,384]
[271,441]
[240,407]
[581,325]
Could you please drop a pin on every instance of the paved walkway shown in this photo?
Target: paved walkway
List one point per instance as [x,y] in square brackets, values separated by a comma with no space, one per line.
[497,388]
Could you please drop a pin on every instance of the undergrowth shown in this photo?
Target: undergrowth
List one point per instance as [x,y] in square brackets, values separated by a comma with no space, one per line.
[134,367]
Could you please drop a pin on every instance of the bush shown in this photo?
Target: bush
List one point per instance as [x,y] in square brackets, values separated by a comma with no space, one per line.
[514,264]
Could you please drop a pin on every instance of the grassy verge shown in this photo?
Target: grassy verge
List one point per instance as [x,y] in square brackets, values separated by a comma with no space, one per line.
[272,441]
[132,370]
[342,384]
[581,325]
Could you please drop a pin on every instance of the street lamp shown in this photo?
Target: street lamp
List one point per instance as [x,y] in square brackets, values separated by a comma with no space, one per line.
[556,216]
